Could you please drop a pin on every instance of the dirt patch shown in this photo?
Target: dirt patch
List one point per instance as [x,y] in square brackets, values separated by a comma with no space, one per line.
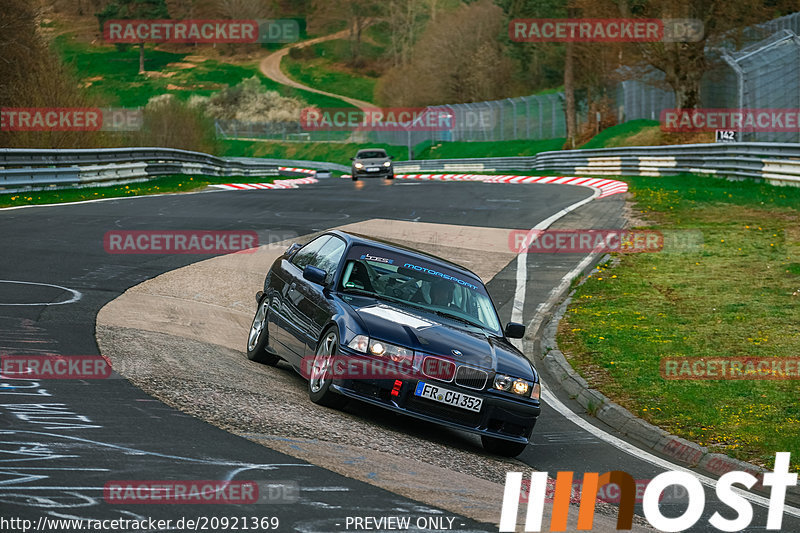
[158,74]
[182,65]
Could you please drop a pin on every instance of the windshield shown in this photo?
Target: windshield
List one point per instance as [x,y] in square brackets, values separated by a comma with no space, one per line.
[414,282]
[375,154]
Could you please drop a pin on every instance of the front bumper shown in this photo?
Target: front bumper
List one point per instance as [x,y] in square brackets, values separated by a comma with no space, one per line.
[363,173]
[500,416]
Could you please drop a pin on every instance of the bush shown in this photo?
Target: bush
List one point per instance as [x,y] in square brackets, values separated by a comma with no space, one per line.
[249,102]
[169,123]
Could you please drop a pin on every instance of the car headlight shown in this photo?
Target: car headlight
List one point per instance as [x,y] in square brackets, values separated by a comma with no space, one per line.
[520,387]
[395,353]
[359,165]
[359,343]
[517,386]
[387,164]
[502,382]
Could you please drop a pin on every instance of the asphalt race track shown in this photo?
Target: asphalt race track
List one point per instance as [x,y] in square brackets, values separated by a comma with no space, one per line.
[62,440]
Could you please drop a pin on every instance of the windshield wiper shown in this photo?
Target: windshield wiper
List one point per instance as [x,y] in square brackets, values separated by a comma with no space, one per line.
[456,317]
[363,292]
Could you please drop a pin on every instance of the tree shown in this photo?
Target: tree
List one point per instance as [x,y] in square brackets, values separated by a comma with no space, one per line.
[684,63]
[353,14]
[462,61]
[406,20]
[134,10]
[538,65]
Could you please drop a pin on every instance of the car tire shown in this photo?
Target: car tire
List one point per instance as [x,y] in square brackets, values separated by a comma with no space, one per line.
[355,178]
[502,447]
[319,380]
[390,177]
[258,338]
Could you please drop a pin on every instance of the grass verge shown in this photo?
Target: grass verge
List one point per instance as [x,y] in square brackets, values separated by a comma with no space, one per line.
[736,296]
[643,132]
[322,66]
[162,185]
[455,150]
[113,74]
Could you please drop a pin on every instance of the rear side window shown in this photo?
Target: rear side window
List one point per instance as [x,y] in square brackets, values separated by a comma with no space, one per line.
[305,255]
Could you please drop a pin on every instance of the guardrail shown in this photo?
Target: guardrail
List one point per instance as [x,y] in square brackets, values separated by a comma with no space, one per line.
[776,163]
[772,162]
[22,168]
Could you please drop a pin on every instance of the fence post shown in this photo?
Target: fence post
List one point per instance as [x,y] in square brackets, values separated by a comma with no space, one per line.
[514,116]
[527,117]
[541,114]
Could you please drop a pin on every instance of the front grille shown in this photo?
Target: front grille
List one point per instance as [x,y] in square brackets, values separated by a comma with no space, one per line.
[471,378]
[436,368]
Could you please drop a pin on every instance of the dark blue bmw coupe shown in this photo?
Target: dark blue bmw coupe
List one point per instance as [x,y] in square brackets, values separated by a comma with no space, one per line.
[398,328]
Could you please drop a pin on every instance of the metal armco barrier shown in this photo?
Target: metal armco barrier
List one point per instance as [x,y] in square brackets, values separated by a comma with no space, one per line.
[773,162]
[776,163]
[41,168]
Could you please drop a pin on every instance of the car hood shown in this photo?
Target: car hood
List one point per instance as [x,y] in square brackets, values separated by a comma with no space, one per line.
[428,333]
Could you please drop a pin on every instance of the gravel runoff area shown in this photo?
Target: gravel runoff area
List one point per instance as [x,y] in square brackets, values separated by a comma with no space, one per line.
[180,337]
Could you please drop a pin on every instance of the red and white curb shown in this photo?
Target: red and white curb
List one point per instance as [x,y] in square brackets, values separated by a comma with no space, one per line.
[279,184]
[294,170]
[605,186]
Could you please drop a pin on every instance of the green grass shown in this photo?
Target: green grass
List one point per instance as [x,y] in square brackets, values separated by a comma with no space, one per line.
[114,76]
[162,185]
[613,136]
[322,67]
[452,150]
[736,296]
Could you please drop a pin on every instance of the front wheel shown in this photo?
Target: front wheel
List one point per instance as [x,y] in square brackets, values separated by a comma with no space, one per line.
[502,447]
[258,338]
[355,178]
[390,177]
[319,383]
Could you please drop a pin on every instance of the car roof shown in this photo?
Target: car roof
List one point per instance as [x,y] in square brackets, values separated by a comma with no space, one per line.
[371,150]
[355,238]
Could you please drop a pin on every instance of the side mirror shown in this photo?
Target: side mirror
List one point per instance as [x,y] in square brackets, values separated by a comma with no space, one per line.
[292,249]
[391,157]
[352,159]
[515,330]
[314,275]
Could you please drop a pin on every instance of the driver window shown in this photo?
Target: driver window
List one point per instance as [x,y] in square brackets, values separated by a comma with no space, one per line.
[306,254]
[329,256]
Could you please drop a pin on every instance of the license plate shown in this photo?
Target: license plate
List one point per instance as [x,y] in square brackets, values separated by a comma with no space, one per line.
[373,169]
[449,397]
